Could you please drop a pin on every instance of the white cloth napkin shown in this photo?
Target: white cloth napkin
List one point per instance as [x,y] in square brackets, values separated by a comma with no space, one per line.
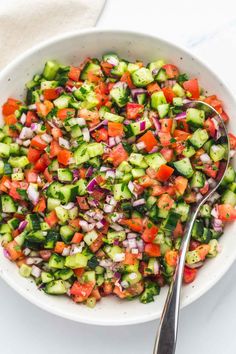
[24,23]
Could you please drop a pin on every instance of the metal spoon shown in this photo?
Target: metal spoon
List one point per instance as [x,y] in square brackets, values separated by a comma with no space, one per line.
[167,333]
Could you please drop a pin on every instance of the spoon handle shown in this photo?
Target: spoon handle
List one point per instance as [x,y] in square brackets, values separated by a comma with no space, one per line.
[167,334]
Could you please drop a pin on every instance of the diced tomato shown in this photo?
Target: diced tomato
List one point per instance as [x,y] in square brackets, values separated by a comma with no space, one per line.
[59,247]
[169,94]
[75,223]
[210,127]
[166,125]
[211,170]
[82,290]
[165,202]
[151,172]
[40,206]
[31,176]
[178,147]
[134,110]
[91,77]
[56,133]
[10,120]
[82,201]
[44,108]
[38,143]
[224,116]
[94,247]
[100,135]
[232,140]
[115,129]
[192,87]
[14,193]
[190,198]
[135,224]
[130,258]
[55,148]
[204,189]
[78,272]
[107,287]
[158,190]
[153,87]
[149,232]
[47,175]
[181,135]
[164,173]
[149,140]
[31,117]
[10,106]
[171,70]
[119,292]
[51,94]
[183,125]
[118,155]
[74,73]
[96,294]
[92,117]
[226,212]
[146,182]
[203,251]
[127,78]
[64,157]
[106,67]
[152,250]
[65,113]
[180,184]
[165,138]
[167,153]
[214,102]
[193,245]
[51,219]
[178,231]
[13,250]
[171,258]
[189,275]
[42,163]
[5,184]
[77,238]
[33,155]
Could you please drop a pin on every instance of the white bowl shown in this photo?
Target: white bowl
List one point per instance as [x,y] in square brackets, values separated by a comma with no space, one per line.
[71,49]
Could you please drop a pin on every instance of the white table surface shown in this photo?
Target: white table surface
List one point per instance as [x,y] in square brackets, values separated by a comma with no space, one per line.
[208,325]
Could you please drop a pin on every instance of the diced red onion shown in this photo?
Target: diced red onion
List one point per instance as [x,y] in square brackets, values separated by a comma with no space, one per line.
[26,133]
[117,275]
[26,251]
[84,225]
[217,225]
[36,271]
[93,202]
[156,267]
[232,153]
[116,227]
[141,145]
[117,139]
[110,174]
[134,251]
[142,125]
[132,243]
[125,243]
[131,186]
[89,172]
[119,257]
[112,141]
[64,143]
[205,158]
[59,90]
[198,197]
[33,194]
[6,253]
[33,260]
[120,84]
[131,235]
[99,225]
[69,89]
[139,202]
[22,225]
[105,263]
[91,185]
[66,251]
[108,208]
[77,248]
[103,122]
[47,138]
[157,124]
[116,216]
[180,116]
[86,135]
[154,149]
[32,107]
[26,143]
[111,200]
[69,206]
[45,254]
[19,141]
[81,122]
[137,91]
[214,197]
[131,140]
[211,182]
[34,126]
[23,118]
[104,168]
[113,61]
[140,245]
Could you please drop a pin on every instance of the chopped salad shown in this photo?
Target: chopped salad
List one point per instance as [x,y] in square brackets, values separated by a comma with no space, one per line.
[99,167]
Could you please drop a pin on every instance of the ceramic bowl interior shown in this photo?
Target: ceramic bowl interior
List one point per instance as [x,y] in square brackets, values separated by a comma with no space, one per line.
[72,49]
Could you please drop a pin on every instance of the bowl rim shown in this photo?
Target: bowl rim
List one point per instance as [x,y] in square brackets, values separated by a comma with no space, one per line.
[147,317]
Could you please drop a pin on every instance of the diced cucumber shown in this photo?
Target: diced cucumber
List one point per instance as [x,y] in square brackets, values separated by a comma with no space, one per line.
[189,151]
[68,193]
[119,69]
[36,236]
[64,274]
[113,252]
[54,189]
[115,235]
[182,209]
[81,187]
[56,261]
[192,257]
[75,131]
[184,167]
[19,176]
[95,149]
[55,287]
[45,84]
[198,180]
[52,203]
[205,211]
[155,160]
[33,222]
[50,70]
[63,102]
[163,110]
[46,277]
[25,270]
[197,230]
[113,117]
[195,117]
[119,94]
[156,65]
[77,260]
[81,154]
[90,237]
[7,203]
[124,167]
[229,177]
[64,175]
[199,138]
[73,213]
[140,127]
[62,213]
[132,67]
[217,152]
[137,160]
[178,90]
[4,150]
[51,239]
[92,68]
[161,75]
[138,172]
[66,233]
[178,101]
[157,98]
[171,221]
[142,77]
[229,197]
[121,191]
[132,278]
[214,249]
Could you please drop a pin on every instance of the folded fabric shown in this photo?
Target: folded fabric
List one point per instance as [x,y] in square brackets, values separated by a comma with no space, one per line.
[25,23]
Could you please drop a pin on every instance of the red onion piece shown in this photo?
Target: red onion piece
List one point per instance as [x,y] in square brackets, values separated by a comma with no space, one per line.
[137,91]
[22,225]
[103,122]
[142,125]
[157,124]
[180,116]
[139,202]
[91,185]
[89,172]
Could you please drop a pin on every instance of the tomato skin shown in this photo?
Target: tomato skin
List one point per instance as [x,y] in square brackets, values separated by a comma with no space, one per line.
[94,247]
[210,127]
[115,129]
[134,110]
[56,133]
[135,224]
[171,258]
[232,141]
[165,138]
[38,143]
[180,184]
[40,206]
[171,70]
[55,148]
[149,233]
[100,135]
[169,94]
[13,250]
[65,113]
[42,163]
[82,290]
[203,251]
[31,117]
[211,170]
[158,190]
[106,67]
[33,155]
[47,175]
[179,230]
[64,157]
[153,87]
[226,212]
[82,203]
[77,238]
[215,103]
[51,219]
[224,116]
[189,275]
[164,173]
[10,119]
[130,258]
[31,176]
[167,153]
[127,78]
[181,135]
[50,94]
[44,108]
[165,202]
[149,140]
[193,245]
[152,250]
[166,125]
[74,73]
[192,87]
[10,106]
[118,154]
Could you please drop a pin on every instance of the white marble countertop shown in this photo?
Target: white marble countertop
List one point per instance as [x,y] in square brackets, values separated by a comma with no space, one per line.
[208,325]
